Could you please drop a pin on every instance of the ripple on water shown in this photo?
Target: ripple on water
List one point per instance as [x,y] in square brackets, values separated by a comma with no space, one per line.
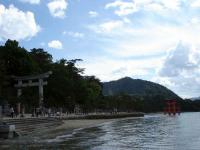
[153,132]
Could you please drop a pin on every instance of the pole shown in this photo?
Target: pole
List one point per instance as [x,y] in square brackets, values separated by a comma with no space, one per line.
[1,114]
[41,93]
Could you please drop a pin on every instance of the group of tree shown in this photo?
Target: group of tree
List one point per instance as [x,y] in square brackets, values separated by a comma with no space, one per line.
[68,87]
[145,103]
[142,95]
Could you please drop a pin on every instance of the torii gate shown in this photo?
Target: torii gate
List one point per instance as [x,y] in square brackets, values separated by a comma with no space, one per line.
[29,81]
[172,107]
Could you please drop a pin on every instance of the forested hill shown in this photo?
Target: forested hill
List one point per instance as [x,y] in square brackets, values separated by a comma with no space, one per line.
[138,87]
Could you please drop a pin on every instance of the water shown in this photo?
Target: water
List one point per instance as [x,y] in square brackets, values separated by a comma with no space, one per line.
[153,132]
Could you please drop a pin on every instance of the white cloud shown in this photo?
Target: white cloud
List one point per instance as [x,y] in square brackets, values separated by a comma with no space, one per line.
[75,34]
[16,24]
[185,87]
[195,3]
[153,36]
[128,41]
[117,68]
[31,1]
[126,20]
[55,44]
[107,27]
[154,7]
[178,61]
[159,4]
[171,4]
[195,20]
[180,70]
[111,25]
[159,7]
[93,14]
[58,8]
[122,8]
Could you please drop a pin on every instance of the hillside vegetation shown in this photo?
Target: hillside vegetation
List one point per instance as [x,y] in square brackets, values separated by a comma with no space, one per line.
[136,87]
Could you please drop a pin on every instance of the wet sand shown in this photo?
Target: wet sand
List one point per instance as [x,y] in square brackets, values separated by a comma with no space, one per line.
[48,138]
[72,124]
[69,125]
[45,137]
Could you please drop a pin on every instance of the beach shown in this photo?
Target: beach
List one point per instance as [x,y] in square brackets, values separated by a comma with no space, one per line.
[74,124]
[69,126]
[51,126]
[41,138]
[86,121]
[59,129]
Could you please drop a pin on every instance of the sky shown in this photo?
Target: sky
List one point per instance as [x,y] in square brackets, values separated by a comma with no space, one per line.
[155,40]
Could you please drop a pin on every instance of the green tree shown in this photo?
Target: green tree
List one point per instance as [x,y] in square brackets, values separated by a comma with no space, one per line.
[42,59]
[63,84]
[14,60]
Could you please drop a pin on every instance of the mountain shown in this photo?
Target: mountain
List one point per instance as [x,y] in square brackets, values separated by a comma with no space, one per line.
[138,87]
[194,98]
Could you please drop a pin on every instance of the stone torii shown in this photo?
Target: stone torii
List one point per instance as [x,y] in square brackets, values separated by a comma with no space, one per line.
[29,81]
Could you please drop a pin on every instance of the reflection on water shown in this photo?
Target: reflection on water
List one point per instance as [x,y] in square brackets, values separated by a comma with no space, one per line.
[154,132]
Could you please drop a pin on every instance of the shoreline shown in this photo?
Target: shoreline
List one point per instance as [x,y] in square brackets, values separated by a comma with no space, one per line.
[54,135]
[69,126]
[70,123]
[89,121]
[110,115]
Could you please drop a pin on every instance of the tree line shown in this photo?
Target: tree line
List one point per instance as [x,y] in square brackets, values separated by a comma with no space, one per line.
[67,86]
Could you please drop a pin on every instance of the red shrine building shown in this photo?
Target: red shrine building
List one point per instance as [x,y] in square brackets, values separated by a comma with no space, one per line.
[172,107]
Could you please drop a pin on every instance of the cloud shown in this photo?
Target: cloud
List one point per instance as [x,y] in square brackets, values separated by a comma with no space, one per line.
[31,1]
[171,4]
[195,20]
[55,44]
[74,34]
[58,8]
[110,26]
[186,87]
[107,27]
[154,7]
[178,61]
[159,4]
[180,70]
[16,24]
[152,32]
[126,40]
[195,3]
[114,68]
[122,8]
[93,14]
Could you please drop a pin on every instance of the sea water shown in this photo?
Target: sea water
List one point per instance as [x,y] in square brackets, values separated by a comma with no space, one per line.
[152,132]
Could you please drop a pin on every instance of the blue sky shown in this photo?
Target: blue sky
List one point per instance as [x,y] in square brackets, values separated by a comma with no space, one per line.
[156,40]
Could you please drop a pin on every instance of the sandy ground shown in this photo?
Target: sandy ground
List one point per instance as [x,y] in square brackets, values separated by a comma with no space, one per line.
[69,125]
[40,138]
[73,124]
